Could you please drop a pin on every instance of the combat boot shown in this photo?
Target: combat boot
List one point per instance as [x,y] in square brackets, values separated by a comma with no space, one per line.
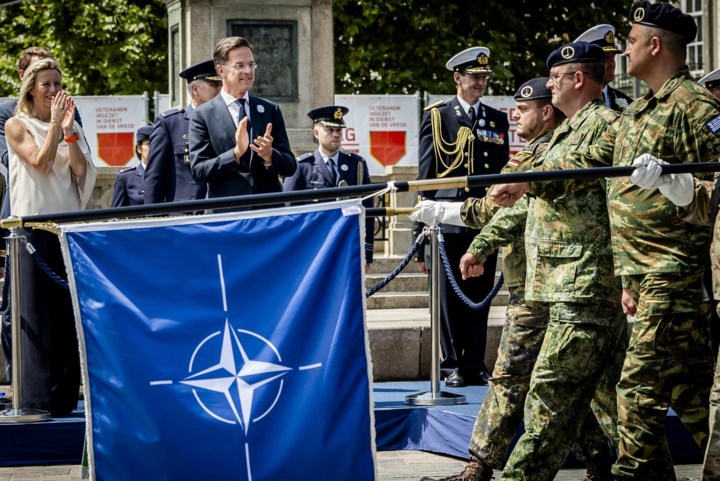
[475,470]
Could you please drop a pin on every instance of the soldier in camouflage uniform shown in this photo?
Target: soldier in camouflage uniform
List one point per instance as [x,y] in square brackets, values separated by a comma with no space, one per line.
[669,360]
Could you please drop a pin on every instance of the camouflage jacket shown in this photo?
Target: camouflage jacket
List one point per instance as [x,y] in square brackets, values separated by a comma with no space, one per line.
[678,124]
[567,238]
[504,227]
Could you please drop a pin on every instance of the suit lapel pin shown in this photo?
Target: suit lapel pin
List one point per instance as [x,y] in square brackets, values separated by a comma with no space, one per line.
[344,167]
[260,109]
[481,122]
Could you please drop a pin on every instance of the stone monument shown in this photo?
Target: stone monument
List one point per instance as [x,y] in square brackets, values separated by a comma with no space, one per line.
[293,48]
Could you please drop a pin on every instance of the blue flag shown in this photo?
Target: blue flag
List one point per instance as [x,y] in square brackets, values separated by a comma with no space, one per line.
[227,347]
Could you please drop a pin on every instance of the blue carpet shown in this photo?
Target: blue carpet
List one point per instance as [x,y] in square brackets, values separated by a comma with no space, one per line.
[438,429]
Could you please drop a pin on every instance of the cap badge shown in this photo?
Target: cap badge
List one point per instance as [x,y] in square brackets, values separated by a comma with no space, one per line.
[609,37]
[526,91]
[567,53]
[483,59]
[338,114]
[639,14]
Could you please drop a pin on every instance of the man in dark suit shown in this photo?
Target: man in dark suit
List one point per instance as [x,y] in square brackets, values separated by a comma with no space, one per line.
[328,166]
[604,36]
[167,176]
[238,142]
[130,183]
[477,136]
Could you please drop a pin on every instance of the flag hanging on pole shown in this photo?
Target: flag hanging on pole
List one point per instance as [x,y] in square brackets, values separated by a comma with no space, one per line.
[227,347]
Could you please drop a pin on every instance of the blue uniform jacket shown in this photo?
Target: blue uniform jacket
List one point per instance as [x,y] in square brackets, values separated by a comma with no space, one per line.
[167,175]
[312,173]
[129,187]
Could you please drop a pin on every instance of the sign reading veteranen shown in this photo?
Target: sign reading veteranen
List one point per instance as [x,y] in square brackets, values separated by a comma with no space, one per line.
[110,124]
[382,128]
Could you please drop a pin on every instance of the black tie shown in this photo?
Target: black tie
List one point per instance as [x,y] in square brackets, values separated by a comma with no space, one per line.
[471,114]
[331,169]
[241,104]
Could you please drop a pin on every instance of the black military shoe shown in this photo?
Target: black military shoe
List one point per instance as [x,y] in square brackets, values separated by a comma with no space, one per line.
[454,379]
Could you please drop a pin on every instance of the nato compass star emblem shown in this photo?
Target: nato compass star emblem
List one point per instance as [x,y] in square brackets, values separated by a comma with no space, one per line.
[235,365]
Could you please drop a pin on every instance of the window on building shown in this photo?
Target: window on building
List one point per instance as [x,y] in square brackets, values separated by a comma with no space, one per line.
[695,48]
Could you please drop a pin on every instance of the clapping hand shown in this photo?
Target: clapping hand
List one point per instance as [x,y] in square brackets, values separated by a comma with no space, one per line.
[263,145]
[242,139]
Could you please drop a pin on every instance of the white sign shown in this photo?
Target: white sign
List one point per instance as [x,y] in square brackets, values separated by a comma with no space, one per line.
[382,128]
[110,124]
[502,103]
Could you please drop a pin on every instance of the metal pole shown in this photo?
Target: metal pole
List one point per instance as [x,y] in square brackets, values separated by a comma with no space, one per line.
[17,414]
[435,397]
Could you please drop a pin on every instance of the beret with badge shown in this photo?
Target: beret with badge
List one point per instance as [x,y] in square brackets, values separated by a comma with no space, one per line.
[474,60]
[666,17]
[201,71]
[329,116]
[534,89]
[576,52]
[602,35]
[143,133]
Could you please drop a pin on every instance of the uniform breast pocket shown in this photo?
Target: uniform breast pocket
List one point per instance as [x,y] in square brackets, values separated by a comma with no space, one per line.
[183,154]
[558,265]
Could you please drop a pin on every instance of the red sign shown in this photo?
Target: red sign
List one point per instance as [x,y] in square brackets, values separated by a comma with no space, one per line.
[387,147]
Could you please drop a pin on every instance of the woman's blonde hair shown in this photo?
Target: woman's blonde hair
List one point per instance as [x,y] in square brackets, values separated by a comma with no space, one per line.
[25,103]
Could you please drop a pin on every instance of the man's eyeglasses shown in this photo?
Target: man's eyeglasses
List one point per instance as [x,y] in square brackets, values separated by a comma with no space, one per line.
[555,77]
[243,66]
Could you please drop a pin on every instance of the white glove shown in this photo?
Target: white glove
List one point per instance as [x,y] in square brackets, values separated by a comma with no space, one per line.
[432,213]
[647,172]
[679,188]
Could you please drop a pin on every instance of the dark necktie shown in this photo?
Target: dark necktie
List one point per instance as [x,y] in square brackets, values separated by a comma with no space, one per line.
[331,169]
[471,114]
[241,105]
[607,99]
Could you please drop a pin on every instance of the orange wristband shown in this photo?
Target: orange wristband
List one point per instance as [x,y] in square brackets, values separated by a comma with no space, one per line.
[72,139]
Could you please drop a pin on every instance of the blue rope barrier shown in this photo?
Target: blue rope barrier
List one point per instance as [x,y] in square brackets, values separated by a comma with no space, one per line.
[472,305]
[399,268]
[43,265]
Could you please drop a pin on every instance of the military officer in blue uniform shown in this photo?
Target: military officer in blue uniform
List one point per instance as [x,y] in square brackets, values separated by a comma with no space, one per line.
[167,176]
[130,183]
[461,137]
[604,36]
[328,166]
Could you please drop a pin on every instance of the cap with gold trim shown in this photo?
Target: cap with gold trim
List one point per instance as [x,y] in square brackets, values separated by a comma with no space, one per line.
[602,35]
[666,17]
[474,60]
[201,71]
[329,116]
[711,80]
[576,52]
[534,89]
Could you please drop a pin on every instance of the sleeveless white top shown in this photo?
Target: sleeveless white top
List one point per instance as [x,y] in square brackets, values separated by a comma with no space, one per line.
[33,192]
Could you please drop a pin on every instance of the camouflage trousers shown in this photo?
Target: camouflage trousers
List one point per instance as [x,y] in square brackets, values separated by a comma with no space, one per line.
[500,415]
[668,364]
[711,466]
[573,359]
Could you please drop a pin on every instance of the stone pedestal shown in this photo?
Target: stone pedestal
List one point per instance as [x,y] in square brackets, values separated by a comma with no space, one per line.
[293,48]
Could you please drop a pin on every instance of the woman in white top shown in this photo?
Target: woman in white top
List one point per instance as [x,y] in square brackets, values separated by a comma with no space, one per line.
[50,171]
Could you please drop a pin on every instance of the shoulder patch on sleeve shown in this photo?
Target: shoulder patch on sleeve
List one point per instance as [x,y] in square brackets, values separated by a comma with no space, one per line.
[435,104]
[714,125]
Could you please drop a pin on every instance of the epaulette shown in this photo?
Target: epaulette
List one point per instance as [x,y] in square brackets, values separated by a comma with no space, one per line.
[609,115]
[306,156]
[171,112]
[355,156]
[128,169]
[434,105]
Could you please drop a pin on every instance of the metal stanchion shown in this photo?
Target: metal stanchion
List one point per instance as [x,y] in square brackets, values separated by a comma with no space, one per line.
[17,414]
[435,397]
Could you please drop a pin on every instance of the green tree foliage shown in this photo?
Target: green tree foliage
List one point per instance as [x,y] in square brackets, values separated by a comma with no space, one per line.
[401,46]
[104,47]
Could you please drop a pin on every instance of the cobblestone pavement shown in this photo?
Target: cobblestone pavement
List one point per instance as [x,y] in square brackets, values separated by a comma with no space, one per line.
[392,466]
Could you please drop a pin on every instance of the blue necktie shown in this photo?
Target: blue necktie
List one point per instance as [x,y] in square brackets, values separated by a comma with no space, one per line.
[331,169]
[606,97]
[242,114]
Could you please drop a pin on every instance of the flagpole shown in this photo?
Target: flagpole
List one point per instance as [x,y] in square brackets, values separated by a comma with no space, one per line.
[17,414]
[435,397]
[257,200]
